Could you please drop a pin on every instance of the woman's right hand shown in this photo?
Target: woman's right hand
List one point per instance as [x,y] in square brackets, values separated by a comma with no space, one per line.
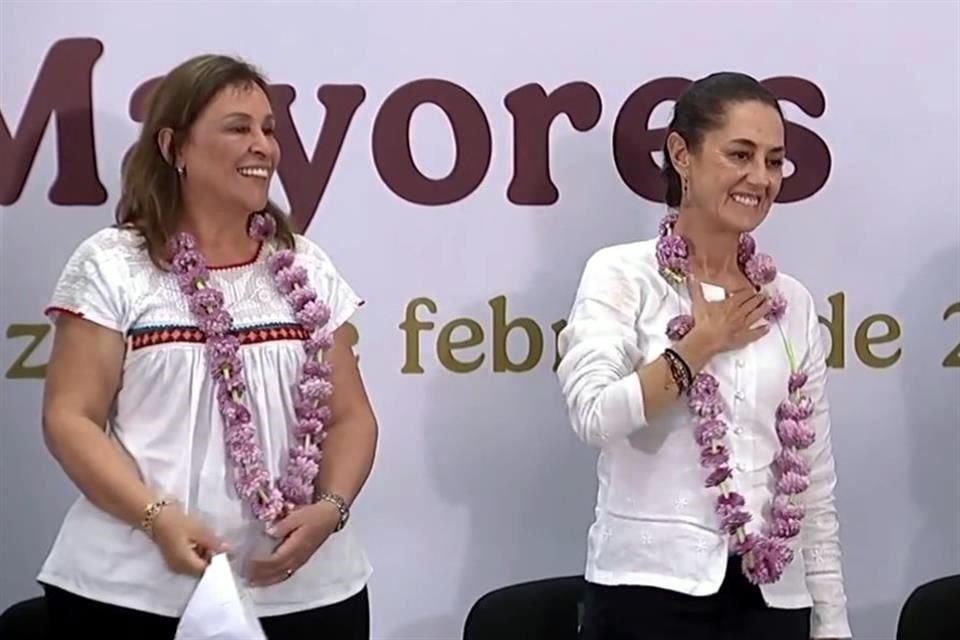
[186,543]
[728,324]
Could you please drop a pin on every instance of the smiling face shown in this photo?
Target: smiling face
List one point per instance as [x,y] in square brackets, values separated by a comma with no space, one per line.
[231,153]
[736,172]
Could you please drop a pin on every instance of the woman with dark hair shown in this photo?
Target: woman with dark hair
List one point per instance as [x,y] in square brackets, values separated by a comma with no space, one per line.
[199,366]
[698,371]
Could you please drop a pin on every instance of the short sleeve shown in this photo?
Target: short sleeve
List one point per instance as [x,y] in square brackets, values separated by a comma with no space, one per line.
[90,285]
[332,287]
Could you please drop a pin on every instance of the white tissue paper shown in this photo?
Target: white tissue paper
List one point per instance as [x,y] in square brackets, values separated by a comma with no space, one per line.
[219,609]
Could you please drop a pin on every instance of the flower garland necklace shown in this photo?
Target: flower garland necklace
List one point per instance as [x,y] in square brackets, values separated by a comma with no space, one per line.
[269,501]
[765,554]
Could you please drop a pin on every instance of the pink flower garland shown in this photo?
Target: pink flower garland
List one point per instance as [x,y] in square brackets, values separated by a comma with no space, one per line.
[765,554]
[268,501]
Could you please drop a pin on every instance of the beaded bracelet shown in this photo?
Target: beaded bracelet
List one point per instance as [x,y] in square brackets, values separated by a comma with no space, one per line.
[678,370]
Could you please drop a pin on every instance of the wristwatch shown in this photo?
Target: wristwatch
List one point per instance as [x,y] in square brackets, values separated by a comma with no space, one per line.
[340,503]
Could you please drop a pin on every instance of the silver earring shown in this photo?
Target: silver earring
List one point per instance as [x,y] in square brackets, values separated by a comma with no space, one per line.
[181,171]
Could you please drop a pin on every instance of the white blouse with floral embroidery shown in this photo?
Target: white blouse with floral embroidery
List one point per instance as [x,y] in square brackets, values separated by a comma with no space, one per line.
[165,418]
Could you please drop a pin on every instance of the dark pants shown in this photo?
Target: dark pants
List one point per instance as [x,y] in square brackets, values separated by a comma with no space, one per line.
[72,616]
[736,612]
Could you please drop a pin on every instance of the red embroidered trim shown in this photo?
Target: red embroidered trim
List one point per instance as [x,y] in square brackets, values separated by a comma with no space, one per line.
[253,335]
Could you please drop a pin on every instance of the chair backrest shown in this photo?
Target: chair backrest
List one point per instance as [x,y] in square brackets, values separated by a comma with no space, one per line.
[931,611]
[539,610]
[26,619]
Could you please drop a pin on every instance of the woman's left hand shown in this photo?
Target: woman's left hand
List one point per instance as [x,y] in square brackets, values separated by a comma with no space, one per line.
[302,533]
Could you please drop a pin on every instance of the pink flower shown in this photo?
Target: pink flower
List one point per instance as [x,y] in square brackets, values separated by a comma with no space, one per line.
[785,527]
[181,242]
[262,226]
[232,387]
[238,433]
[766,560]
[710,407]
[788,410]
[226,364]
[710,430]
[778,307]
[223,346]
[296,490]
[760,269]
[300,297]
[231,411]
[205,302]
[717,476]
[311,451]
[189,280]
[743,547]
[784,509]
[792,483]
[309,428]
[280,260]
[290,278]
[251,479]
[672,255]
[731,502]
[704,386]
[306,409]
[714,458]
[315,389]
[317,369]
[271,509]
[217,324]
[746,247]
[243,452]
[734,520]
[679,327]
[187,260]
[313,315]
[790,460]
[297,483]
[805,407]
[666,224]
[318,342]
[796,382]
[324,414]
[794,434]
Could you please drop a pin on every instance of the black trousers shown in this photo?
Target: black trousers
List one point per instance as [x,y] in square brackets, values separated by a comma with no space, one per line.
[736,612]
[71,616]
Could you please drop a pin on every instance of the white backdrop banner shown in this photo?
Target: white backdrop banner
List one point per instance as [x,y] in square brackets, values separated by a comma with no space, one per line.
[460,161]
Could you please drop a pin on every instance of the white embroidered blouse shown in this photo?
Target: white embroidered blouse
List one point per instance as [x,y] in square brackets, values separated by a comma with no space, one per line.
[655,522]
[166,418]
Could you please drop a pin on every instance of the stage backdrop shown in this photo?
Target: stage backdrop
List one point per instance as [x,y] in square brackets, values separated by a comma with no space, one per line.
[460,161]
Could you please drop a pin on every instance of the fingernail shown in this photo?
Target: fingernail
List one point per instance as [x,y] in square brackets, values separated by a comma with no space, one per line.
[272,531]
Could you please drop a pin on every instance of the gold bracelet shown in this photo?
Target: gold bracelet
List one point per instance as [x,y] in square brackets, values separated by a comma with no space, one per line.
[150,514]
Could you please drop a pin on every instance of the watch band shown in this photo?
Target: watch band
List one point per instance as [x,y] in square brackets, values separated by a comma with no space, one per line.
[340,503]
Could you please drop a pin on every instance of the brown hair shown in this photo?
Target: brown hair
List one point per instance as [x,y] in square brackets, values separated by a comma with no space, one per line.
[151,200]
